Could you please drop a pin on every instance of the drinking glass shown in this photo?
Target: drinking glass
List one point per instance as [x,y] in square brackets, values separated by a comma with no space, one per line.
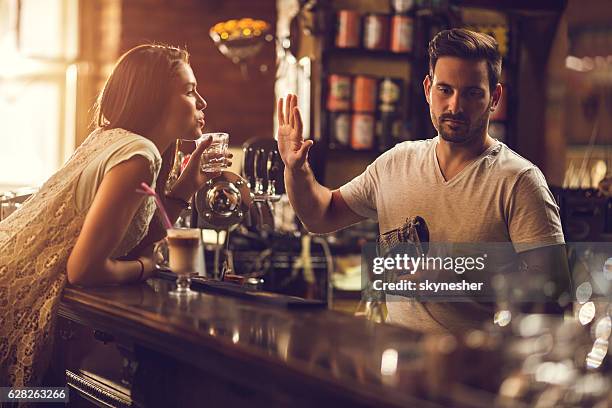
[184,250]
[213,158]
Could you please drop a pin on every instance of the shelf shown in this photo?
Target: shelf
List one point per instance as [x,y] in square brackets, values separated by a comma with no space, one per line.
[411,67]
[361,63]
[527,7]
[362,52]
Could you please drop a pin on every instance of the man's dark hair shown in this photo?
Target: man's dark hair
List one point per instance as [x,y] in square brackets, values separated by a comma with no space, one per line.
[462,43]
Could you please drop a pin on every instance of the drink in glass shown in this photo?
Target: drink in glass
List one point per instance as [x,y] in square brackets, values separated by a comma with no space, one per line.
[213,158]
[184,250]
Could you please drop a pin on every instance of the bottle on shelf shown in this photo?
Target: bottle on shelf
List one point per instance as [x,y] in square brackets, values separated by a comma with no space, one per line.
[376,32]
[364,108]
[348,32]
[339,99]
[401,33]
[389,120]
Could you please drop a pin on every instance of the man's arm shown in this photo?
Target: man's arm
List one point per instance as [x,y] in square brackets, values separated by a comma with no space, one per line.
[320,209]
[546,277]
[535,229]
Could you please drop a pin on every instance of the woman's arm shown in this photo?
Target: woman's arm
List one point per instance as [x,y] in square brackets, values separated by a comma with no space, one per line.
[156,230]
[191,180]
[106,223]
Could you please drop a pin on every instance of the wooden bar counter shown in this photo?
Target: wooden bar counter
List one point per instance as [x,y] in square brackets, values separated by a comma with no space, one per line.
[137,346]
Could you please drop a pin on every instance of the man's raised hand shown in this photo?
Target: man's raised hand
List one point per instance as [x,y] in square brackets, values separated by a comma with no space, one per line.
[292,147]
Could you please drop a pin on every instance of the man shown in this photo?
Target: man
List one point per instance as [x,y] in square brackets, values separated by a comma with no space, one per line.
[467,186]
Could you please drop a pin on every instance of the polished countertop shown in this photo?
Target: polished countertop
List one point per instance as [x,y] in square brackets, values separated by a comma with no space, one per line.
[313,347]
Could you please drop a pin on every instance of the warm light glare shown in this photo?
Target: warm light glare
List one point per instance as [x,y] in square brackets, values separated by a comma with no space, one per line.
[388,362]
[555,373]
[597,354]
[587,64]
[603,328]
[502,318]
[587,313]
[584,292]
[38,92]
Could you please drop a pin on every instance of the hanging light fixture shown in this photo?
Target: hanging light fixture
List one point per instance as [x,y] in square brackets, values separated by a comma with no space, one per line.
[240,40]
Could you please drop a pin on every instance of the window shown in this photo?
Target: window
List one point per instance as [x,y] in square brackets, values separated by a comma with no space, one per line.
[38,45]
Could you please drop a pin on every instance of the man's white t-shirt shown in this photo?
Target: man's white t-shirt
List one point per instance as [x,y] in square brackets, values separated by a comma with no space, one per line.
[498,197]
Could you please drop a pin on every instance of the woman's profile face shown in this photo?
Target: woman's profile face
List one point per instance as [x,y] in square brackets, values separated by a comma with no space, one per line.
[184,116]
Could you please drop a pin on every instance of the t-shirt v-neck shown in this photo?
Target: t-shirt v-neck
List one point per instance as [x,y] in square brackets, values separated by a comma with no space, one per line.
[440,177]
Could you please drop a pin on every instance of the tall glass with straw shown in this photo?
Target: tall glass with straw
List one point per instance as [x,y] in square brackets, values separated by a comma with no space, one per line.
[183,247]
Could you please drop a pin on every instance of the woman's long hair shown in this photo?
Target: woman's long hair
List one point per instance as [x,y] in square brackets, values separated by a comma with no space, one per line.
[134,98]
[136,92]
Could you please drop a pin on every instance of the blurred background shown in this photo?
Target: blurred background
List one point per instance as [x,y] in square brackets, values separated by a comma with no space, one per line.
[55,55]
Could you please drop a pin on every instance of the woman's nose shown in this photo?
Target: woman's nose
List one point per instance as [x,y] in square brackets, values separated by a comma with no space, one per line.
[201,103]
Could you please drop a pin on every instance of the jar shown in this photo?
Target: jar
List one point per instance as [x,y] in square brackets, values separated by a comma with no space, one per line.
[401,33]
[389,94]
[401,6]
[376,32]
[364,93]
[349,28]
[362,131]
[339,96]
[340,128]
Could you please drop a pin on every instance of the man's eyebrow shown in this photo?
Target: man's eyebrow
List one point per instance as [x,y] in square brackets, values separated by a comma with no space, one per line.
[191,84]
[465,87]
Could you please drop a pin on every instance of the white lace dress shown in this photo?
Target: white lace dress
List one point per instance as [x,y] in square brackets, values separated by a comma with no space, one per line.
[35,243]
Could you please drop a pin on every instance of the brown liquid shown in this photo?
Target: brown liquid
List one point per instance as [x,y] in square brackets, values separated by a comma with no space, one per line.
[184,252]
[184,242]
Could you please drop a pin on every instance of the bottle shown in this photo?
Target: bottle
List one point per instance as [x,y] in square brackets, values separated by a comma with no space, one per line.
[376,32]
[349,29]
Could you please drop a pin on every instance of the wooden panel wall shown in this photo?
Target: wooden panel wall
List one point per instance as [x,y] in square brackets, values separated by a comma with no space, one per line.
[243,107]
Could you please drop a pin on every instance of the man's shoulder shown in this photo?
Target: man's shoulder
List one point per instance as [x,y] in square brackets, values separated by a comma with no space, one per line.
[415,145]
[408,152]
[410,147]
[511,164]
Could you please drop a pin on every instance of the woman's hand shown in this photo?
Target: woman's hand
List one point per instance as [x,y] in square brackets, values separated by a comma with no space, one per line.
[192,177]
[291,145]
[150,258]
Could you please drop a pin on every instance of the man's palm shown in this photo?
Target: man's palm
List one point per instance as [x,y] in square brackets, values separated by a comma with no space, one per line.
[291,146]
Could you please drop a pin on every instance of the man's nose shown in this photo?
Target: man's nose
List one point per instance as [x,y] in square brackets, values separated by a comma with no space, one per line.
[454,103]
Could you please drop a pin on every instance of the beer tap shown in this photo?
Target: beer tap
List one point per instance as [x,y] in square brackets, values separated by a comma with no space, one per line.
[260,167]
[248,165]
[273,174]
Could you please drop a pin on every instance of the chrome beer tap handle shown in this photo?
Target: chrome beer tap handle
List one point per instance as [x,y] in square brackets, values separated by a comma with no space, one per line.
[260,172]
[273,175]
[248,171]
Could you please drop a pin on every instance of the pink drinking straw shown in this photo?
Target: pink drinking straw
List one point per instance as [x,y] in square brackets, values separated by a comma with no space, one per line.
[149,191]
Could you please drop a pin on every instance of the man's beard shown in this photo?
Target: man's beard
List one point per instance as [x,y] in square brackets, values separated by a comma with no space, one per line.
[468,131]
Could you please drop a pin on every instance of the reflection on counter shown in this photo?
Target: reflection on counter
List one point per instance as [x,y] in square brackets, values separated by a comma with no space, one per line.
[524,360]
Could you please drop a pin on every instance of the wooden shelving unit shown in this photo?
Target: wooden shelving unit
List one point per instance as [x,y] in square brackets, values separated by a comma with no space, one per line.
[517,22]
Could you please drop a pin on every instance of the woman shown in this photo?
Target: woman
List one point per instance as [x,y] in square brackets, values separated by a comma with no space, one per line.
[88,214]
